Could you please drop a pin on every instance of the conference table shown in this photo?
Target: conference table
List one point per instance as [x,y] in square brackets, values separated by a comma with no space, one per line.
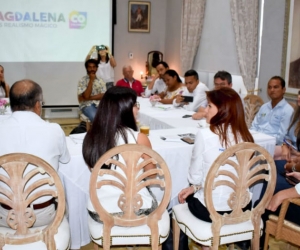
[167,123]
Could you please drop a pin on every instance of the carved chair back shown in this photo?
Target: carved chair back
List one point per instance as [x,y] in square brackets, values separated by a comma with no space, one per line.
[26,179]
[130,183]
[252,104]
[249,164]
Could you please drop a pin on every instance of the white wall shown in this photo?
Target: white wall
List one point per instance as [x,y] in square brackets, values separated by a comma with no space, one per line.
[138,43]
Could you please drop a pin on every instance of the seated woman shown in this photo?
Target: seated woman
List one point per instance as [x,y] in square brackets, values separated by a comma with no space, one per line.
[174,87]
[285,151]
[225,114]
[115,124]
[4,87]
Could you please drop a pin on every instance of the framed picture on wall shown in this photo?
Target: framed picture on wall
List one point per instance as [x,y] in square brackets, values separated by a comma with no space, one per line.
[291,49]
[139,16]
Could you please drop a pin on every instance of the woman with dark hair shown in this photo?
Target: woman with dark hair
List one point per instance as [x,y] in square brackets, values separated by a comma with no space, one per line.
[106,62]
[225,114]
[4,87]
[286,151]
[174,87]
[115,124]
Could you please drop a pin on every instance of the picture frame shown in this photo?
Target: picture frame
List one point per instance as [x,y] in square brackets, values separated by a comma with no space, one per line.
[290,68]
[139,16]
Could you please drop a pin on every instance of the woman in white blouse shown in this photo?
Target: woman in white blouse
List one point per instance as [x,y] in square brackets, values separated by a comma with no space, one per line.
[225,114]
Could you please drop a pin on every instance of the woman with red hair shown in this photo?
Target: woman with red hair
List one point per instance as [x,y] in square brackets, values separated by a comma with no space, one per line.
[225,114]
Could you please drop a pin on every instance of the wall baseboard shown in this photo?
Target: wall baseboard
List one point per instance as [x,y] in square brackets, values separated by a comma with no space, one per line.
[61,112]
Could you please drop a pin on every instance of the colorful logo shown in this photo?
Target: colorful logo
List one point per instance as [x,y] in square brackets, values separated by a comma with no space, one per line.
[77,20]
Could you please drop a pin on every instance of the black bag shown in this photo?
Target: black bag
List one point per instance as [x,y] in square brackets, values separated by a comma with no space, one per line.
[81,128]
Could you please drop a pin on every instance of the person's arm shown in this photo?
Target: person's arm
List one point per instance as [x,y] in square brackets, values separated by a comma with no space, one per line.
[90,53]
[199,98]
[151,84]
[6,90]
[88,91]
[279,197]
[167,101]
[201,113]
[255,124]
[284,123]
[112,61]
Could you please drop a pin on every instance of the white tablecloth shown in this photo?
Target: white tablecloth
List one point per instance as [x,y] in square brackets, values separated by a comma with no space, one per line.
[75,175]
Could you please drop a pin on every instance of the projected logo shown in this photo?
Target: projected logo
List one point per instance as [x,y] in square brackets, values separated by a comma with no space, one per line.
[77,20]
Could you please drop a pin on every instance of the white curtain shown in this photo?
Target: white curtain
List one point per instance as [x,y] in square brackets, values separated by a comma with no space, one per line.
[192,23]
[244,15]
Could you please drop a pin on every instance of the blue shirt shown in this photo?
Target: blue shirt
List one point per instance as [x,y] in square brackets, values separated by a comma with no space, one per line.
[273,121]
[290,135]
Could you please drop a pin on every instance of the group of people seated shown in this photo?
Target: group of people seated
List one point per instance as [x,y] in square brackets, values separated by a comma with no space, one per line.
[113,112]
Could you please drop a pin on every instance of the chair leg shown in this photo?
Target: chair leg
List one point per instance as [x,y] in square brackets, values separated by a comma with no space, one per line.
[96,246]
[266,241]
[176,235]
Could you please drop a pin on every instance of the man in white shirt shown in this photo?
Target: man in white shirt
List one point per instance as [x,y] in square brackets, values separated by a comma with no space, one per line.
[195,89]
[157,85]
[25,132]
[222,79]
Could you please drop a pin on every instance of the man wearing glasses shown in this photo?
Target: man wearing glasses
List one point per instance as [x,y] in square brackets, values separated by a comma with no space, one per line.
[222,79]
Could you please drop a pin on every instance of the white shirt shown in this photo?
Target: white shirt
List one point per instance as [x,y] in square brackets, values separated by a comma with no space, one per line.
[206,149]
[106,72]
[26,132]
[199,98]
[159,86]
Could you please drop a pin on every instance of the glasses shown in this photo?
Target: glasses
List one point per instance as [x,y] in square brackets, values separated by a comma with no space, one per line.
[42,103]
[137,104]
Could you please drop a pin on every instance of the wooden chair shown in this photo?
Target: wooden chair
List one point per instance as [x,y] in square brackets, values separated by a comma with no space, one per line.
[281,228]
[249,164]
[252,104]
[24,179]
[129,228]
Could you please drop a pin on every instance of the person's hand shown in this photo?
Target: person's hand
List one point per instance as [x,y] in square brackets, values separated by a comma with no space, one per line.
[289,165]
[107,50]
[294,174]
[285,152]
[184,193]
[198,115]
[92,76]
[276,201]
[179,99]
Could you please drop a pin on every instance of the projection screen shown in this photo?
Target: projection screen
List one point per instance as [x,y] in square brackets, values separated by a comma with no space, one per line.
[47,41]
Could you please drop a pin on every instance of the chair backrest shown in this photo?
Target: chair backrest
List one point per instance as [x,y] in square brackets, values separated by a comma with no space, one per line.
[131,183]
[154,55]
[250,164]
[24,179]
[252,104]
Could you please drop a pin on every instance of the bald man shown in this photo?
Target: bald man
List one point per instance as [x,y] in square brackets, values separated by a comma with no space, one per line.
[25,132]
[129,82]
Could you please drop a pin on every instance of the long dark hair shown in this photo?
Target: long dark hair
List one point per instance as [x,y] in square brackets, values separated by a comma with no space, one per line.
[230,115]
[173,74]
[2,83]
[295,118]
[114,116]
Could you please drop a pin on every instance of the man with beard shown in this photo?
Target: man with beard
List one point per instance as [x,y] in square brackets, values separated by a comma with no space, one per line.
[90,90]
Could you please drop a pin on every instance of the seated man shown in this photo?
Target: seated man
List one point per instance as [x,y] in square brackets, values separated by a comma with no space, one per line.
[195,89]
[222,79]
[273,118]
[25,132]
[129,82]
[90,90]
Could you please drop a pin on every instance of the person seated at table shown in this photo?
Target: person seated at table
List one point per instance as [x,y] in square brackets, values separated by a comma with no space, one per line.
[195,89]
[273,117]
[115,124]
[225,114]
[222,79]
[129,82]
[174,87]
[4,87]
[157,85]
[286,152]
